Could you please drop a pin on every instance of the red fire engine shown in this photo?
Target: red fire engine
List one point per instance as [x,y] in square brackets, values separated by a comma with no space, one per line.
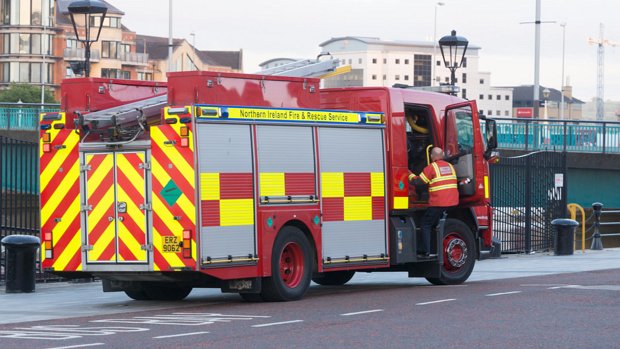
[253,184]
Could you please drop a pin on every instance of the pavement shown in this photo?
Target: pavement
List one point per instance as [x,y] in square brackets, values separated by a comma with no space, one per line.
[67,300]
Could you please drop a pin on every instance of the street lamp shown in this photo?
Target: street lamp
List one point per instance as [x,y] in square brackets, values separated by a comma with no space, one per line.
[90,9]
[563,25]
[546,94]
[452,45]
[434,81]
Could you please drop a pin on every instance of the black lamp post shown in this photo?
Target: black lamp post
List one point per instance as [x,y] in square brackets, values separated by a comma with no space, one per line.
[454,47]
[90,9]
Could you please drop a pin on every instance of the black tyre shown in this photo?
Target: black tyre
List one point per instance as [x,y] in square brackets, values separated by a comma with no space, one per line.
[334,278]
[138,295]
[166,292]
[291,267]
[459,254]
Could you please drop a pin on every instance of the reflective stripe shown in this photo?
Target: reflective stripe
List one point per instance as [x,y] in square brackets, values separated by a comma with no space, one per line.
[444,178]
[423,177]
[412,177]
[443,187]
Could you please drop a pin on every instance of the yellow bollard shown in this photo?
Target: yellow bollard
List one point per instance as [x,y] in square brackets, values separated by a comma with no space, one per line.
[572,208]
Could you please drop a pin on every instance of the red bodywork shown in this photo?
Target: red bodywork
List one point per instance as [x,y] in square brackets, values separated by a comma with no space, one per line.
[87,95]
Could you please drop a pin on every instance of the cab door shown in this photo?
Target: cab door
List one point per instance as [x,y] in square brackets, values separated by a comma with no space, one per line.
[463,146]
[115,207]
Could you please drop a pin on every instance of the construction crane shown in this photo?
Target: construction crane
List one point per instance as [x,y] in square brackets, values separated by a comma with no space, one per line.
[601,42]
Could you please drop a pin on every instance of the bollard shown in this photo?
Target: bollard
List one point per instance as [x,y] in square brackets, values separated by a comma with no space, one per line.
[21,259]
[564,235]
[597,242]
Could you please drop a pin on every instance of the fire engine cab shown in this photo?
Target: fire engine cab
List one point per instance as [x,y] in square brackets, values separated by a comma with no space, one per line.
[254,184]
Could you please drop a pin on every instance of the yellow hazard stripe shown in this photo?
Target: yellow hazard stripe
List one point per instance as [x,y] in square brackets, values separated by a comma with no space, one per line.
[332,184]
[401,202]
[272,184]
[357,208]
[66,254]
[236,212]
[185,169]
[377,184]
[59,158]
[71,177]
[209,186]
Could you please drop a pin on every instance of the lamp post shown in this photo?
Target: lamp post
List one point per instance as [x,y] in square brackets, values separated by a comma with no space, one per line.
[90,9]
[546,94]
[434,80]
[563,25]
[454,47]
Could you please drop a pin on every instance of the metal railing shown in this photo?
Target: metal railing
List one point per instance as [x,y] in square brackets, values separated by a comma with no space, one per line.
[134,58]
[78,54]
[21,119]
[566,135]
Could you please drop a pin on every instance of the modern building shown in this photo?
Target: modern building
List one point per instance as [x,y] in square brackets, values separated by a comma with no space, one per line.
[38,45]
[376,62]
[523,103]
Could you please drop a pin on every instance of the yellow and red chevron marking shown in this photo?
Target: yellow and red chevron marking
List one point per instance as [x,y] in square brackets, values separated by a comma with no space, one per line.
[227,199]
[353,196]
[131,189]
[101,230]
[60,198]
[172,167]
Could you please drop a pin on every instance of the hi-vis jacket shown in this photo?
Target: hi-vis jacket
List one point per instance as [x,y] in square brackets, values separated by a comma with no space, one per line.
[442,184]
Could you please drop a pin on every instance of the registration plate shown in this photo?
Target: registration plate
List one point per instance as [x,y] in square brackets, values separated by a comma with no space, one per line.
[171,244]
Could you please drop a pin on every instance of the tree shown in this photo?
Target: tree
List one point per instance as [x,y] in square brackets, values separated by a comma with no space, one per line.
[26,93]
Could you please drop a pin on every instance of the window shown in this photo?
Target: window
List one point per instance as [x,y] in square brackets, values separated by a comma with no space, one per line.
[406,77]
[350,61]
[481,97]
[385,61]
[438,63]
[447,80]
[507,113]
[481,81]
[464,93]
[406,61]
[422,70]
[145,76]
[108,22]
[115,73]
[397,77]
[498,97]
[459,137]
[374,76]
[464,65]
[498,112]
[109,49]
[374,61]
[490,97]
[359,61]
[507,97]
[397,61]
[464,80]
[384,77]
[490,112]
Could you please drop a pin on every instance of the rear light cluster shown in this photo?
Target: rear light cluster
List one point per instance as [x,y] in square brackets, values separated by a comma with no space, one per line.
[48,245]
[184,136]
[187,243]
[47,139]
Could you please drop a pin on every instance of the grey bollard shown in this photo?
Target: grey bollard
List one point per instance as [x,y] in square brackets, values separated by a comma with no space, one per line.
[21,259]
[597,241]
[564,238]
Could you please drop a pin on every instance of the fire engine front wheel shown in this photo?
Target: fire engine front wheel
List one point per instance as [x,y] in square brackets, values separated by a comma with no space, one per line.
[459,254]
[291,267]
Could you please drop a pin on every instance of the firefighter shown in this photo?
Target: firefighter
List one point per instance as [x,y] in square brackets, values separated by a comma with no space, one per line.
[440,178]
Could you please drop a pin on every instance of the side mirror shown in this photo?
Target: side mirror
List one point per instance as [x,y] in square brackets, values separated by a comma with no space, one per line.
[491,135]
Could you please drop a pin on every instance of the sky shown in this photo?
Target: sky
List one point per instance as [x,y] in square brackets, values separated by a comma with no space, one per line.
[291,28]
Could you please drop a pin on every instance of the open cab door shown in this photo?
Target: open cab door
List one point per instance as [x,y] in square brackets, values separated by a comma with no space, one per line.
[464,148]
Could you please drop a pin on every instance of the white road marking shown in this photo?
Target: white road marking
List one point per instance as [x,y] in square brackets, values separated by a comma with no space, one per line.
[180,335]
[278,323]
[541,285]
[79,346]
[439,301]
[563,286]
[362,312]
[501,293]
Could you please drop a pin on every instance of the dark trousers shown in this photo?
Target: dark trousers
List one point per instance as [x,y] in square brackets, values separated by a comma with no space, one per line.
[430,219]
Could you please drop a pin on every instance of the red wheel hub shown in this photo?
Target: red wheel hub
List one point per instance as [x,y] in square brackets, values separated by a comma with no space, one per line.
[455,251]
[291,264]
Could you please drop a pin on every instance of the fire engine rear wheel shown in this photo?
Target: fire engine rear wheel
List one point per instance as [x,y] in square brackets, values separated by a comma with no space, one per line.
[334,278]
[166,292]
[251,297]
[291,267]
[459,254]
[138,295]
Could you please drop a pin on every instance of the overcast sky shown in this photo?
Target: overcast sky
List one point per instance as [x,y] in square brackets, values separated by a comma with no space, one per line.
[291,28]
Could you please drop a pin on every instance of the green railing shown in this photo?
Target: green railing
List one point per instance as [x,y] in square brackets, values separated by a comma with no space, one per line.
[572,136]
[21,119]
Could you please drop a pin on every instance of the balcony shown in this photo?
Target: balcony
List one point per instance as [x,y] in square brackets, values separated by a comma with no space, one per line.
[77,54]
[132,58]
